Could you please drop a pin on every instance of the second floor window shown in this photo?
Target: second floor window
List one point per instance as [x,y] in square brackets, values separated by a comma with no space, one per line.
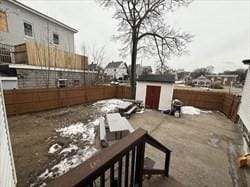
[28,29]
[55,38]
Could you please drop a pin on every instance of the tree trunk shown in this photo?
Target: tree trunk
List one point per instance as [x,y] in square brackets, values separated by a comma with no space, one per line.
[133,67]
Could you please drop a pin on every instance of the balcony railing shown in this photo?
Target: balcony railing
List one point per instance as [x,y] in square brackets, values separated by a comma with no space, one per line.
[121,164]
[6,53]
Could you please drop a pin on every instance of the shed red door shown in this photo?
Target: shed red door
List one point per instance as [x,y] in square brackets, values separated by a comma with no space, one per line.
[153,96]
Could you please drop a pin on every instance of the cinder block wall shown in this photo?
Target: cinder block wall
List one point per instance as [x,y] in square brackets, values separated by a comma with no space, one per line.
[43,78]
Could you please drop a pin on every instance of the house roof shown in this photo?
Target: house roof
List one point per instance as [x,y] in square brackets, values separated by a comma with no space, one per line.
[223,75]
[93,66]
[21,5]
[114,64]
[247,61]
[168,78]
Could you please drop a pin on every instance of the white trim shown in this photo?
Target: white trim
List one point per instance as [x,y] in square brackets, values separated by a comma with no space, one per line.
[42,15]
[9,78]
[25,66]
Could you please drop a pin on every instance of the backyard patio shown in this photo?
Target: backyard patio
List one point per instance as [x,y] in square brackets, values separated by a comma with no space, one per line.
[205,145]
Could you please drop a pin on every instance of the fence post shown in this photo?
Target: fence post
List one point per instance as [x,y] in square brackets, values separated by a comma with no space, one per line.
[15,101]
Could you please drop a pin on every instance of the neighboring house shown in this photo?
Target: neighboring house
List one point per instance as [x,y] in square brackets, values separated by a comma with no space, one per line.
[182,75]
[156,91]
[19,23]
[117,70]
[146,70]
[201,81]
[38,50]
[7,167]
[244,108]
[138,70]
[95,67]
[141,70]
[224,80]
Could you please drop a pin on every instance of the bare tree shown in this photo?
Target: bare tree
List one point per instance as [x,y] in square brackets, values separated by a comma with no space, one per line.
[142,28]
[98,55]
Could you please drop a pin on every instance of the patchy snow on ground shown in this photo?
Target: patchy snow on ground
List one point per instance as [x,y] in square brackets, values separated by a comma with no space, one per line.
[190,110]
[54,148]
[96,122]
[193,110]
[68,163]
[108,105]
[87,132]
[69,149]
[82,135]
[141,111]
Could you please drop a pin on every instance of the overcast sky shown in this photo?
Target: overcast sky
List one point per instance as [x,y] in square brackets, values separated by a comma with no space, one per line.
[221,30]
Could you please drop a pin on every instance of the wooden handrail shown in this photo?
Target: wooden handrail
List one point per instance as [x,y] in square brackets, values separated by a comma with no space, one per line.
[132,145]
[152,141]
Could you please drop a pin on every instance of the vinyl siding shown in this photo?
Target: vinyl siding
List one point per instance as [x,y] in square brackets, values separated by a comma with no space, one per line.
[41,27]
[7,168]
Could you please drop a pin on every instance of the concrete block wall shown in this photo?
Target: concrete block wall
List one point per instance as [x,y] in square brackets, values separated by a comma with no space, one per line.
[28,78]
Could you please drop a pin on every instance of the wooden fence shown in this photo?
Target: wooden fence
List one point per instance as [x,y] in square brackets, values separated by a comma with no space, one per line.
[22,101]
[223,102]
[33,100]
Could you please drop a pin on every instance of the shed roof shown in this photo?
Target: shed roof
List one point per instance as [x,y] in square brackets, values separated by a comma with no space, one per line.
[168,78]
[21,5]
[114,64]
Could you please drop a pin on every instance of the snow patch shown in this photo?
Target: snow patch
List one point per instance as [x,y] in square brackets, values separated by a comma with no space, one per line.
[108,105]
[193,110]
[87,132]
[54,148]
[68,163]
[190,110]
[69,149]
[96,122]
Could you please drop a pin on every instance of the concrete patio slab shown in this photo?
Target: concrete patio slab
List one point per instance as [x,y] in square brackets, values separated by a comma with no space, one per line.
[204,148]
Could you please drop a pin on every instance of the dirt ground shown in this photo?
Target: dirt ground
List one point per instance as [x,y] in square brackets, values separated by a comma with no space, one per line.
[33,134]
[204,148]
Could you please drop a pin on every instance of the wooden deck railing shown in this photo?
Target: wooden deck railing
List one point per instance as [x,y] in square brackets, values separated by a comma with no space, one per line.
[121,164]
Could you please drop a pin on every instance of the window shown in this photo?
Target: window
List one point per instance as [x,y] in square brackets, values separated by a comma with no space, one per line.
[76,83]
[3,22]
[62,83]
[28,29]
[56,38]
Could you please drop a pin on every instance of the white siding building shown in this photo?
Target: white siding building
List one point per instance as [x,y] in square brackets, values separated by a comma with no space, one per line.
[156,91]
[7,167]
[244,108]
[19,23]
[117,70]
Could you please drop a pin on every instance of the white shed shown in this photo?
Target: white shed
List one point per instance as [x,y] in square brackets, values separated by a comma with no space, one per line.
[156,91]
[7,167]
[244,108]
